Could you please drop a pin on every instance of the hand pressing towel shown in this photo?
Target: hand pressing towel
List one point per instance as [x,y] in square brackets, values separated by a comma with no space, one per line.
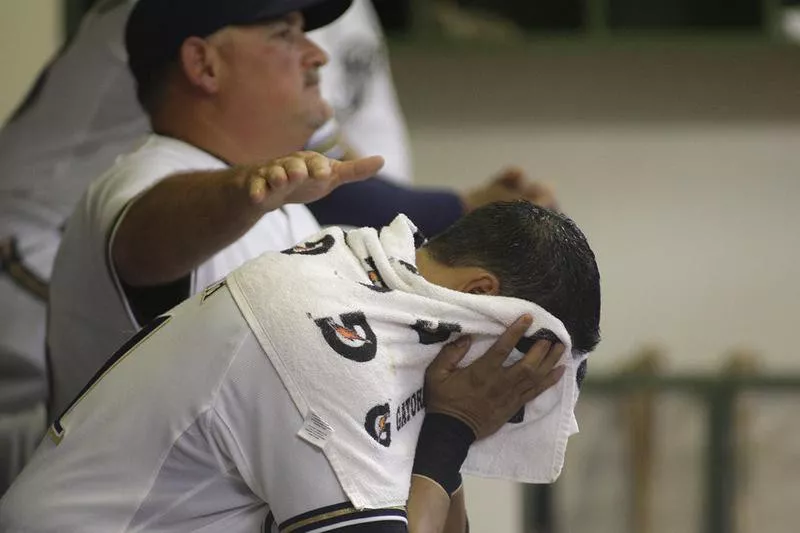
[351,326]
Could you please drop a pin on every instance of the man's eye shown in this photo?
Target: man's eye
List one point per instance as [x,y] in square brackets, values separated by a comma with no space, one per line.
[287,34]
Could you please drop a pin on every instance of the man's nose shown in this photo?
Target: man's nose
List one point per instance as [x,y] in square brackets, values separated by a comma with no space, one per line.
[314,55]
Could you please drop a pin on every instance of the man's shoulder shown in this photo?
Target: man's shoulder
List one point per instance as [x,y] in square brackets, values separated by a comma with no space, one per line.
[152,156]
[154,159]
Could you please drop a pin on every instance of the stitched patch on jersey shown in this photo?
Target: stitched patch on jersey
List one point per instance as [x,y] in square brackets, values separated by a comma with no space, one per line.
[315,430]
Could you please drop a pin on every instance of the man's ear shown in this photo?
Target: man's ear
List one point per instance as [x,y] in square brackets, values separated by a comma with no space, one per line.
[482,282]
[201,64]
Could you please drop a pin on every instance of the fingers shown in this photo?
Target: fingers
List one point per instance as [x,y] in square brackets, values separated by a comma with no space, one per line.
[257,186]
[511,177]
[532,370]
[540,359]
[517,186]
[536,190]
[320,167]
[498,353]
[280,175]
[451,354]
[357,169]
[540,386]
[541,194]
[553,357]
[304,177]
[270,178]
[294,168]
[277,177]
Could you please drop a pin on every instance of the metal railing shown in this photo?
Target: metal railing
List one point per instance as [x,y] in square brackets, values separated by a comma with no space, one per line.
[719,395]
[596,27]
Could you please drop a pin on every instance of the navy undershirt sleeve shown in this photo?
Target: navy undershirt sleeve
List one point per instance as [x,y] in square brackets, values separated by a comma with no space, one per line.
[376,201]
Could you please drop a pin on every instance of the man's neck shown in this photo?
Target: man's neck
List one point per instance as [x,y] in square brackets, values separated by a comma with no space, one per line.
[214,137]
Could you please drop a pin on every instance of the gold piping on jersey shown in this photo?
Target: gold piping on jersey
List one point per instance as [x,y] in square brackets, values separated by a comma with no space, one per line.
[211,290]
[334,512]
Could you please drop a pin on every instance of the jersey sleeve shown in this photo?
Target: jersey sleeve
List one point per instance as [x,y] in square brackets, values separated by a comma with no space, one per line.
[109,201]
[376,202]
[256,424]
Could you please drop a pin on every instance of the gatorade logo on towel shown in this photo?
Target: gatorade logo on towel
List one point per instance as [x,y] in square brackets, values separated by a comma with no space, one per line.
[378,425]
[351,337]
[312,247]
[374,276]
[433,334]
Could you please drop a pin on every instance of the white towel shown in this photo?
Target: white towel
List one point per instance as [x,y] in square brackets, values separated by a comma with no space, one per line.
[351,327]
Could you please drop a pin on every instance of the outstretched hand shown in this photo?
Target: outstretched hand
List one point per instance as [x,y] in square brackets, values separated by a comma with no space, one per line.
[304,177]
[486,394]
[508,185]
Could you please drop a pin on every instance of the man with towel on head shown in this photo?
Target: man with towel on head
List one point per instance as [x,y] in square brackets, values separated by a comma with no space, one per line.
[293,390]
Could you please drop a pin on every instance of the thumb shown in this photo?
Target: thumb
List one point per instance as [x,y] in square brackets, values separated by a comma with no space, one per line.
[357,169]
[450,355]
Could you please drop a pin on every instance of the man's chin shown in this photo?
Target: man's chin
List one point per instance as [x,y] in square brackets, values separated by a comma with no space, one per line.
[320,117]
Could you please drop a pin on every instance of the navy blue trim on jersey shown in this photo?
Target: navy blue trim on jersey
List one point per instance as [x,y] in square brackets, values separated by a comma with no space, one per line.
[269,521]
[344,517]
[57,428]
[376,202]
[146,303]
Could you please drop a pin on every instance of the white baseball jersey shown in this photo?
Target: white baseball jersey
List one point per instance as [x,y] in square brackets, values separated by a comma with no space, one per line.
[90,315]
[187,428]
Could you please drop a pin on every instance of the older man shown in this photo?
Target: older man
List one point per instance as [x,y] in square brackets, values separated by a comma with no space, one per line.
[228,86]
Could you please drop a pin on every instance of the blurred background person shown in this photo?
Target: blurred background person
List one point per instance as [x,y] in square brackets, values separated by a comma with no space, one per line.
[791,20]
[357,82]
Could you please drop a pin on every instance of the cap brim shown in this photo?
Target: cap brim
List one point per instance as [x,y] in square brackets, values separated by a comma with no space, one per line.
[316,13]
[323,13]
